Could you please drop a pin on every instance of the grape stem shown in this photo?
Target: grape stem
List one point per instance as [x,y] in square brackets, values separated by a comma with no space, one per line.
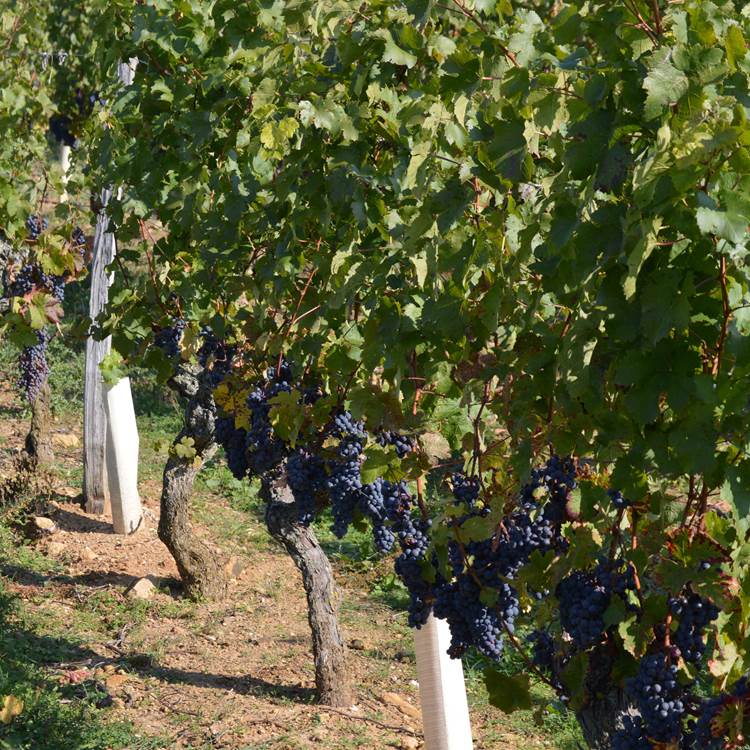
[616,534]
[146,235]
[294,318]
[477,442]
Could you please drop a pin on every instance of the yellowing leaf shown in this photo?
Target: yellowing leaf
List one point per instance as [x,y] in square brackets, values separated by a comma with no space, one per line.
[12,707]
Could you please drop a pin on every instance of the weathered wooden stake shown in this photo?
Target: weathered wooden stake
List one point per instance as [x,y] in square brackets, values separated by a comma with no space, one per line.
[96,489]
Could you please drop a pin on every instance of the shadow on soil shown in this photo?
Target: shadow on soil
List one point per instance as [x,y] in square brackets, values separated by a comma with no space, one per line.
[56,652]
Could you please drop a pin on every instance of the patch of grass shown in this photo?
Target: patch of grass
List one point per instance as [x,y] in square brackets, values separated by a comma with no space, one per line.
[18,554]
[53,716]
[114,612]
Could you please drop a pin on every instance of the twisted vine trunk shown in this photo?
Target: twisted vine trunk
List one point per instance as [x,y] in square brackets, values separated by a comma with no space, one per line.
[38,446]
[602,717]
[202,573]
[329,651]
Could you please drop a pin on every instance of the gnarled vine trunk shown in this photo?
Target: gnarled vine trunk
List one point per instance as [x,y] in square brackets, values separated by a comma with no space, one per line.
[602,717]
[329,651]
[38,445]
[202,573]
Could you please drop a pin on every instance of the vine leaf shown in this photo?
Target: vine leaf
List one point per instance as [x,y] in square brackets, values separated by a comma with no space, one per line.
[665,84]
[507,693]
[11,708]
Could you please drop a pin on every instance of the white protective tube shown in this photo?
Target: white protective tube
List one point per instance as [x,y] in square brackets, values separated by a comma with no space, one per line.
[122,457]
[445,710]
[65,167]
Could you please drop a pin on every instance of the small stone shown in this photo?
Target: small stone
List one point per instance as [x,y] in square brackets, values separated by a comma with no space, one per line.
[401,704]
[409,743]
[118,703]
[357,645]
[55,549]
[318,734]
[110,668]
[45,525]
[88,554]
[143,588]
[402,656]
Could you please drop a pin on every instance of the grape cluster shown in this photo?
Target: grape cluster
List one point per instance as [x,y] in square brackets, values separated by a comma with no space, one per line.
[31,277]
[631,735]
[378,500]
[492,563]
[233,440]
[265,450]
[34,369]
[465,489]
[706,732]
[168,339]
[78,238]
[543,649]
[306,474]
[414,541]
[36,226]
[700,734]
[59,126]
[23,283]
[344,472]
[584,596]
[658,696]
[402,443]
[619,501]
[695,614]
[215,356]
[550,485]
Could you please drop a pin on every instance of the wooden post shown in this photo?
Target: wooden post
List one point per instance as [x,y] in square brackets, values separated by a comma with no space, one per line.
[445,710]
[95,486]
[96,490]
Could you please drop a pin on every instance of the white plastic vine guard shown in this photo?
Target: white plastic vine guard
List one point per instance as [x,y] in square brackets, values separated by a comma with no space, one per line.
[65,168]
[442,691]
[122,457]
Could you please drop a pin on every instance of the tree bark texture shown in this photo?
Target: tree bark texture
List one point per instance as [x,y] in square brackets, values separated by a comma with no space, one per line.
[329,651]
[38,445]
[602,717]
[203,575]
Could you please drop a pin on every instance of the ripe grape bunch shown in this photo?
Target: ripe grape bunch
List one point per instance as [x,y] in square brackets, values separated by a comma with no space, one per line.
[307,476]
[168,338]
[344,481]
[403,444]
[492,563]
[657,694]
[33,365]
[31,278]
[36,227]
[695,614]
[585,595]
